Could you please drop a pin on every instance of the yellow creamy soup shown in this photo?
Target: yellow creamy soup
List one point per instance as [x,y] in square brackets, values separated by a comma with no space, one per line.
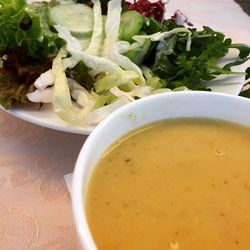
[183,184]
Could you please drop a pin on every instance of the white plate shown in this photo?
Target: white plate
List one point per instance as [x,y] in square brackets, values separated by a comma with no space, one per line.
[45,116]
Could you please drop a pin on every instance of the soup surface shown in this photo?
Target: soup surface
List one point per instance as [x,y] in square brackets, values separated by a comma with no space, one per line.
[177,185]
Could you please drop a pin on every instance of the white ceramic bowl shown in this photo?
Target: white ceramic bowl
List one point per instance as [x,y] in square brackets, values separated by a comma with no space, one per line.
[138,114]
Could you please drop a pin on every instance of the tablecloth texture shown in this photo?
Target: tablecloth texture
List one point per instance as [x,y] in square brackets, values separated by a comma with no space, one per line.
[35,206]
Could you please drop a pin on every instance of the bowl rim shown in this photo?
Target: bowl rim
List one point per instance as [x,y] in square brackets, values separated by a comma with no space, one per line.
[80,219]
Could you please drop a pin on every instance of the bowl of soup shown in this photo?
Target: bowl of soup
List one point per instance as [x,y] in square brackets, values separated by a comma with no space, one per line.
[169,171]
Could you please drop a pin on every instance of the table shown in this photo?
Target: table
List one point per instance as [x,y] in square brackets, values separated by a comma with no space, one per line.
[35,206]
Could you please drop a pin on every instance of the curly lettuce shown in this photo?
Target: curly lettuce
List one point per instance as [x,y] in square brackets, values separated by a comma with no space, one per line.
[11,92]
[26,26]
[26,44]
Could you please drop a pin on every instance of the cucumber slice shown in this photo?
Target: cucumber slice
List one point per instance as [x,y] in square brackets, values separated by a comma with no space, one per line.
[78,18]
[84,41]
[131,24]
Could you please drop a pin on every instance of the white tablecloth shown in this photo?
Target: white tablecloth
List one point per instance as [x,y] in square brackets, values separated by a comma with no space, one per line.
[35,208]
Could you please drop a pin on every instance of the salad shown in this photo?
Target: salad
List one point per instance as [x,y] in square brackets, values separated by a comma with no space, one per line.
[88,58]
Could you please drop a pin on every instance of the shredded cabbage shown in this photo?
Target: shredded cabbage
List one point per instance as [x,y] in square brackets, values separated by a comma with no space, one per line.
[97,64]
[71,42]
[139,91]
[116,55]
[161,35]
[80,94]
[94,47]
[112,26]
[97,115]
[118,78]
[62,103]
[151,80]
[44,80]
[103,99]
[83,99]
[41,95]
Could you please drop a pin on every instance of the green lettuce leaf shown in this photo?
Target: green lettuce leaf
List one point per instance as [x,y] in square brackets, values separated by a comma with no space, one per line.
[180,67]
[11,91]
[26,26]
[248,73]
[80,73]
[26,45]
[244,49]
